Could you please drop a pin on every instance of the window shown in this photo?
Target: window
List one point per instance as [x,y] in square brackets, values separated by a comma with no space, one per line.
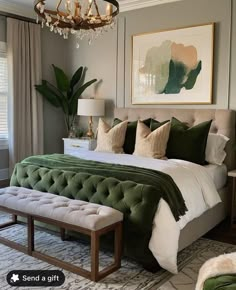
[3,96]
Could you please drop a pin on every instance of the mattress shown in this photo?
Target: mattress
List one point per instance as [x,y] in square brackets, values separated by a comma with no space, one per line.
[218,174]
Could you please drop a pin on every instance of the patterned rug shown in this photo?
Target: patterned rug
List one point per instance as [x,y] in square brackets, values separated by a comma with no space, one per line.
[130,277]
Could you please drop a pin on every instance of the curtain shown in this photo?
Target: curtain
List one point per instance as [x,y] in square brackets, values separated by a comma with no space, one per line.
[25,105]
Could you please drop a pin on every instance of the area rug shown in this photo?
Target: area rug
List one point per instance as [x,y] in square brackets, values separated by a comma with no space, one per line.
[131,276]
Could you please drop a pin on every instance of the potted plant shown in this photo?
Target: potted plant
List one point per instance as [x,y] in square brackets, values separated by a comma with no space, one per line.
[66,93]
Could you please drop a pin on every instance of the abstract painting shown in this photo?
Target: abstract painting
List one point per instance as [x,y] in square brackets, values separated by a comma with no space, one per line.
[174,66]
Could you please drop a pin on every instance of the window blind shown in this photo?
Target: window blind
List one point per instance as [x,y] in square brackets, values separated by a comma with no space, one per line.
[3,92]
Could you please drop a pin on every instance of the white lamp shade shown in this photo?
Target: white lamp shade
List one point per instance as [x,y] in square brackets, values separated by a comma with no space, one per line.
[91,107]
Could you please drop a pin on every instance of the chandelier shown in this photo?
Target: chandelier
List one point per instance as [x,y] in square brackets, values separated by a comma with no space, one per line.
[81,17]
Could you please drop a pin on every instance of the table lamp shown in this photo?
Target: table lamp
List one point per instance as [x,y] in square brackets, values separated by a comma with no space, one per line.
[91,108]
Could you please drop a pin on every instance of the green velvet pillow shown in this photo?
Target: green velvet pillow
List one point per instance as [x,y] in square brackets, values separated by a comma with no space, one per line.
[188,143]
[156,124]
[130,135]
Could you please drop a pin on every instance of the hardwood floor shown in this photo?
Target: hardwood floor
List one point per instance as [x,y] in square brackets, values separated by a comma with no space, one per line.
[223,233]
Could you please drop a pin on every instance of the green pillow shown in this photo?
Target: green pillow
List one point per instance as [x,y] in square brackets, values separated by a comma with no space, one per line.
[156,124]
[188,143]
[130,135]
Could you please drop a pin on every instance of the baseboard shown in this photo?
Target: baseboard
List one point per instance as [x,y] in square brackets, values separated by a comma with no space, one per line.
[4,174]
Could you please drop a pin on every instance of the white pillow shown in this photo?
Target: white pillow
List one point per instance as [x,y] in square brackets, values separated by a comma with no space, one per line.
[215,153]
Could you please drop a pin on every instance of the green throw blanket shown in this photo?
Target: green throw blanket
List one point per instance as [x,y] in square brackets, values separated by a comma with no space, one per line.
[224,282]
[134,191]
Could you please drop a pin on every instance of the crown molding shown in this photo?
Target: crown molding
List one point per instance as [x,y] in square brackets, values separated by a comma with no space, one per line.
[17,9]
[127,5]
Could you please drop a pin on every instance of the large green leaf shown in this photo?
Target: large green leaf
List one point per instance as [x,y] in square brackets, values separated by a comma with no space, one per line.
[62,80]
[61,97]
[77,94]
[177,73]
[48,93]
[76,77]
[73,107]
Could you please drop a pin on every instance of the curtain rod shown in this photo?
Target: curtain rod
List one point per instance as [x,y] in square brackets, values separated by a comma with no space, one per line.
[19,17]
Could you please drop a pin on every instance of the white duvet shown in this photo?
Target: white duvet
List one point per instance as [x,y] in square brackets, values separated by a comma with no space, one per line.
[196,186]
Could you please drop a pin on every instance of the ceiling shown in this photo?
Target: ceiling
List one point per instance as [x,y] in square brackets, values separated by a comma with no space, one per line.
[25,7]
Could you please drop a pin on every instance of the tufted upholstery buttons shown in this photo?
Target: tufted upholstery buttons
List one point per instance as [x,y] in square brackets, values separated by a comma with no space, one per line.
[75,212]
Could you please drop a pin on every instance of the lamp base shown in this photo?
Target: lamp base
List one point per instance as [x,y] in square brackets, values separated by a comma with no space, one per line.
[90,133]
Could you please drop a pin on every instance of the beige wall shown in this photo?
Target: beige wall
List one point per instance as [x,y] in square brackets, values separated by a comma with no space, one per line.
[115,70]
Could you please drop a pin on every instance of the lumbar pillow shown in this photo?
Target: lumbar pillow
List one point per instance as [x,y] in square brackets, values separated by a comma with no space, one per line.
[188,143]
[151,144]
[111,139]
[215,153]
[130,135]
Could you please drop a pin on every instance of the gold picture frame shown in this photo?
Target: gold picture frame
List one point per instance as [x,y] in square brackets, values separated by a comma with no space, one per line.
[173,66]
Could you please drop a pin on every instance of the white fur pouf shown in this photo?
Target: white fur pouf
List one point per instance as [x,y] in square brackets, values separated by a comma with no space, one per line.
[221,265]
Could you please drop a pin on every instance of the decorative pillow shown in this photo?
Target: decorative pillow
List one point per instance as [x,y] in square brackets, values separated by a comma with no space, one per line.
[156,124]
[188,143]
[151,143]
[215,153]
[130,134]
[111,139]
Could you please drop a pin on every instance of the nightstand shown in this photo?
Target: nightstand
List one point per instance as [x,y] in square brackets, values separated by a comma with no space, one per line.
[72,145]
[232,174]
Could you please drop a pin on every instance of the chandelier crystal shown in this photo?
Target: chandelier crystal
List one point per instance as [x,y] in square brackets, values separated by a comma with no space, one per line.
[85,18]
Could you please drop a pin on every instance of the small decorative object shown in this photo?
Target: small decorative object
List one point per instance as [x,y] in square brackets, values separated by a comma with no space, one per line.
[87,18]
[173,67]
[79,133]
[65,95]
[91,108]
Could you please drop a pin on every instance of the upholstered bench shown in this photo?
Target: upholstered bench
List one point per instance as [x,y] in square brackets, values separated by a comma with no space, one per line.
[84,217]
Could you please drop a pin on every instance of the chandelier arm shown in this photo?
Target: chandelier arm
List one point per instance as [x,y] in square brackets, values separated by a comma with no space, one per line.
[96,6]
[89,8]
[58,5]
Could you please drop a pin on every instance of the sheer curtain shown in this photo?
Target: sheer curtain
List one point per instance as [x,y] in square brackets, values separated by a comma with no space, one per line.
[25,106]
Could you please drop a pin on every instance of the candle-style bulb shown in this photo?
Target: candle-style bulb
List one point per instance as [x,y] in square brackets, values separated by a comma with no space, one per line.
[109,9]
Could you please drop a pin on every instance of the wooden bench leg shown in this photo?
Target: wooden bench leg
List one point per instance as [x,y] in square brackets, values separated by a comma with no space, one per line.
[94,256]
[118,244]
[63,234]
[30,235]
[14,218]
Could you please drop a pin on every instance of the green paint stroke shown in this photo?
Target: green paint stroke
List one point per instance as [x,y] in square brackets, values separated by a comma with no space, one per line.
[179,77]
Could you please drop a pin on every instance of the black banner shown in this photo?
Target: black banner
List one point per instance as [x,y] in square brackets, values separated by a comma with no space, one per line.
[36,278]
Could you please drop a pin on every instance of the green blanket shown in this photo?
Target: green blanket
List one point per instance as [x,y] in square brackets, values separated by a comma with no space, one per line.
[224,282]
[134,191]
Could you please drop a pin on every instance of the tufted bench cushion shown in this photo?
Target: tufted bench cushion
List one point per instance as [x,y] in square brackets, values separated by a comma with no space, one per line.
[87,218]
[76,212]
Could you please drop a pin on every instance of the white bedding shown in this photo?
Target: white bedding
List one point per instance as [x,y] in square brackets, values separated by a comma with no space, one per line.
[196,186]
[218,174]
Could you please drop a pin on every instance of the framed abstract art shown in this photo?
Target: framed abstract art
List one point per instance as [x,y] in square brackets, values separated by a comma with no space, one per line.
[173,66]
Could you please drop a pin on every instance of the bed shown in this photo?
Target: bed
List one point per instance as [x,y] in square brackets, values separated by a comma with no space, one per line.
[223,123]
